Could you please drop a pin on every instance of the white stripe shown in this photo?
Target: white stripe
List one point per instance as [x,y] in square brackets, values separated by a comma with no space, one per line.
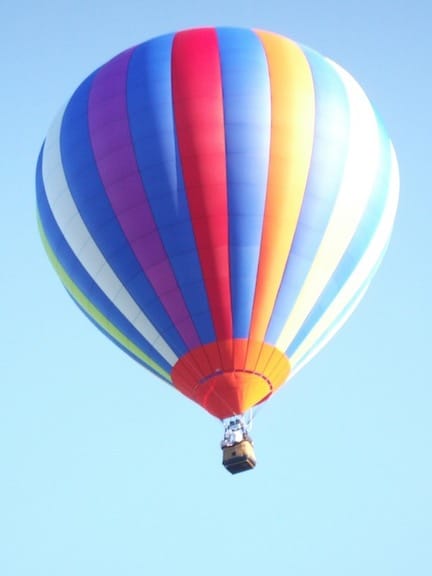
[82,244]
[366,264]
[357,184]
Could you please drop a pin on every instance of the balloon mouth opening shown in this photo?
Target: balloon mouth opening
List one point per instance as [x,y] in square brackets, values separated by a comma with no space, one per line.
[228,378]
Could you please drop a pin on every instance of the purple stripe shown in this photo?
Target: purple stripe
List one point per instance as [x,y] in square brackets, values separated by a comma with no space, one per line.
[115,158]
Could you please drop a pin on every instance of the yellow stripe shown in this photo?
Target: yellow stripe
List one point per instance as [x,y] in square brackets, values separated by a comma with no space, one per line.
[357,184]
[92,311]
[292,131]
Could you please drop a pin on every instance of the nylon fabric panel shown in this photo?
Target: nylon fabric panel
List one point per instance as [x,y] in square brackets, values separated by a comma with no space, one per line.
[102,227]
[365,231]
[151,120]
[328,159]
[198,109]
[247,114]
[83,288]
[101,321]
[356,187]
[364,271]
[292,129]
[74,230]
[115,158]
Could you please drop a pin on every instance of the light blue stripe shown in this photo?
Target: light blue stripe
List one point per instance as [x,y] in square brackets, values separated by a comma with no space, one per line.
[247,117]
[359,243]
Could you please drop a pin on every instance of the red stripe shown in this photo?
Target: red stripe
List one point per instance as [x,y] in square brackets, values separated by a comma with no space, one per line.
[199,119]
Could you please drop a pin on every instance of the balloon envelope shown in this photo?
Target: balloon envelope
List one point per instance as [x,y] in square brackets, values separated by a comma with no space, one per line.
[217,201]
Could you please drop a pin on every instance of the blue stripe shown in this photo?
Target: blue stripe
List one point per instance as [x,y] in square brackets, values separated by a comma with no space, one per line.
[324,179]
[358,245]
[89,195]
[247,116]
[151,121]
[83,280]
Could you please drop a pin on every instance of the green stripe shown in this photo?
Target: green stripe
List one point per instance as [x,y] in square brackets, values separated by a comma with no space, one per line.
[92,311]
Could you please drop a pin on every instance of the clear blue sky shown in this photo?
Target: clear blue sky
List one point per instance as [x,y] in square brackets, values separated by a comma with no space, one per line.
[97,471]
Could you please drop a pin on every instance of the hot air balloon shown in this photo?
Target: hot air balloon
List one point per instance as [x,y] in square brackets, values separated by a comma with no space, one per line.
[217,201]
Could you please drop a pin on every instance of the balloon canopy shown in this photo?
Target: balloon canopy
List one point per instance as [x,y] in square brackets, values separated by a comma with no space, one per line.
[217,201]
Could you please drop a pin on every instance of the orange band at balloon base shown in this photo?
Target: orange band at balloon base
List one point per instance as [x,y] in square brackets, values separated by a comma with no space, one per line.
[229,377]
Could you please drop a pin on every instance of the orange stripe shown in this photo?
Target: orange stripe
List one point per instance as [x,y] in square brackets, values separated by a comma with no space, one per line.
[292,132]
